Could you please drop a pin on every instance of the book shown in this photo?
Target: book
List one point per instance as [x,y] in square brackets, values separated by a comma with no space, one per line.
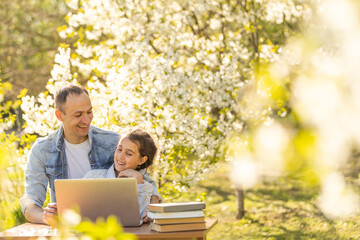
[178,227]
[179,220]
[185,214]
[176,207]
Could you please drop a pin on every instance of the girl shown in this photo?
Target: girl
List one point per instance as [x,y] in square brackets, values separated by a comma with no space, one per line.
[135,152]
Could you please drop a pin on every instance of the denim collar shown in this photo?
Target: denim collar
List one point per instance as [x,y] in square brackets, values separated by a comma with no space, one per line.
[59,137]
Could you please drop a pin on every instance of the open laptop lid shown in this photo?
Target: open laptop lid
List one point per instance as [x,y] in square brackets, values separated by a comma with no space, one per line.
[100,198]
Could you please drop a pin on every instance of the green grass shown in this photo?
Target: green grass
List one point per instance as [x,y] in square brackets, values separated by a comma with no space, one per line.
[281,209]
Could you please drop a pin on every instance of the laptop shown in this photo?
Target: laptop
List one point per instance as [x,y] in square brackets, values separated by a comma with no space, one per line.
[100,198]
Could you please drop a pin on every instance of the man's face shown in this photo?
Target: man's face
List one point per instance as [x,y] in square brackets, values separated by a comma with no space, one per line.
[76,117]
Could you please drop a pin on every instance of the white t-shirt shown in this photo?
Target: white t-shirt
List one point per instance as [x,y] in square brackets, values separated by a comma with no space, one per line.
[77,158]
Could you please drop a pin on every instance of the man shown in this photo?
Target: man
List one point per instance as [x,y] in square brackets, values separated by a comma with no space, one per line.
[72,150]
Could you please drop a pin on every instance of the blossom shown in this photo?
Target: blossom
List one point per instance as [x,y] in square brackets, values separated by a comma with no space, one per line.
[174,68]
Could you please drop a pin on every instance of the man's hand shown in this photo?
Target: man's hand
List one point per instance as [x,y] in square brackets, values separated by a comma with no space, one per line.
[131,173]
[50,214]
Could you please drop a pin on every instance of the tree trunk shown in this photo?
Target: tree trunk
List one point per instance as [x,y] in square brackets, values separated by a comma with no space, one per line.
[240,201]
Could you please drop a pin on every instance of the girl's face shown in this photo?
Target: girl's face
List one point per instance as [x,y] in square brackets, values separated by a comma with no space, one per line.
[127,156]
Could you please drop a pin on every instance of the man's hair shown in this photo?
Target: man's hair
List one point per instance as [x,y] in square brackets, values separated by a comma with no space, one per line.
[146,144]
[64,92]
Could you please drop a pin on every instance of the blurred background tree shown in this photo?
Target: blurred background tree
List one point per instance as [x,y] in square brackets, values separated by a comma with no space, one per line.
[28,43]
[312,91]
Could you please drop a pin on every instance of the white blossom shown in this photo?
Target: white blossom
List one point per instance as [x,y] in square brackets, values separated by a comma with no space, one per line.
[163,65]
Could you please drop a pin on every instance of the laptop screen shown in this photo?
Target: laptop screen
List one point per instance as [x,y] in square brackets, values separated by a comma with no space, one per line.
[100,198]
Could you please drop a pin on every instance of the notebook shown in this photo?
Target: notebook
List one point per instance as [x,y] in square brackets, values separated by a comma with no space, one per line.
[100,198]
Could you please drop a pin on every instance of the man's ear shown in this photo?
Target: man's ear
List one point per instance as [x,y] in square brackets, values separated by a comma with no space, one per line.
[143,160]
[58,114]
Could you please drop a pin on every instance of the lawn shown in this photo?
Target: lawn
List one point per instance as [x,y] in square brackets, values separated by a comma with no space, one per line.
[281,209]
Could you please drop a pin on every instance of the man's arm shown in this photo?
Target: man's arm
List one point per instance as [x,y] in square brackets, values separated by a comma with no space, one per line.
[34,214]
[35,186]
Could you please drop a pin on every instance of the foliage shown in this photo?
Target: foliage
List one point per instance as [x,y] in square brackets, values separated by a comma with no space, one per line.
[176,68]
[313,132]
[7,118]
[11,162]
[29,41]
[109,229]
[282,209]
[85,229]
[5,214]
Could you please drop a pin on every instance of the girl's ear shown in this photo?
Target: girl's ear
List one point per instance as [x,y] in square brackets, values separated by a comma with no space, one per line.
[143,160]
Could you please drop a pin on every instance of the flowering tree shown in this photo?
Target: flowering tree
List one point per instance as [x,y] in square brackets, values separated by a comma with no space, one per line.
[176,68]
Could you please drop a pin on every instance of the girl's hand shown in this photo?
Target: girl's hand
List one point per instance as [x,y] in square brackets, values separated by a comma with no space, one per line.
[131,173]
[145,218]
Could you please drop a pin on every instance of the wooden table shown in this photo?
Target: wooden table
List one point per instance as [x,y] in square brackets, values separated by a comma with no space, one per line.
[33,231]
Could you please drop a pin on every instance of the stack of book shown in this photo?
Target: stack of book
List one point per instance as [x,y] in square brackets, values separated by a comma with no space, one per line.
[182,216]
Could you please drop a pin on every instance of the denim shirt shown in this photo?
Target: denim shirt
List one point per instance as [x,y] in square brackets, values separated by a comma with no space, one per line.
[47,162]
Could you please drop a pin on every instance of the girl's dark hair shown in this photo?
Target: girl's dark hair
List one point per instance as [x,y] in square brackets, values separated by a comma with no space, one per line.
[146,144]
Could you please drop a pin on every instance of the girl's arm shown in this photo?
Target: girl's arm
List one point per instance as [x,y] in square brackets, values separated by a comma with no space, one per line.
[145,191]
[156,198]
